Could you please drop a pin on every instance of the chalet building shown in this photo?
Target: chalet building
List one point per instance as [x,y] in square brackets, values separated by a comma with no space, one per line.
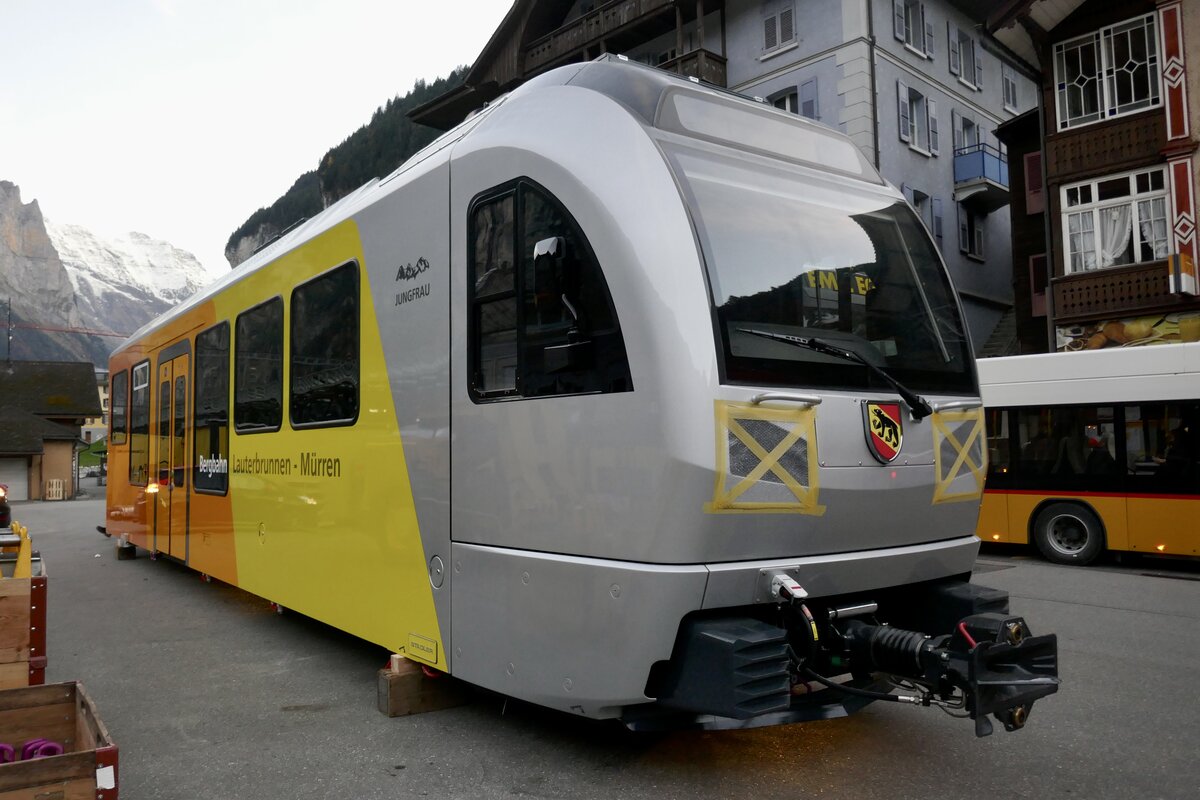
[43,405]
[1105,173]
[920,87]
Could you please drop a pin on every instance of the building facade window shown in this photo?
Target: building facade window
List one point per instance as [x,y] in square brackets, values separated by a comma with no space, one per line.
[779,27]
[1008,77]
[788,101]
[912,27]
[970,232]
[1116,220]
[965,57]
[917,122]
[1110,73]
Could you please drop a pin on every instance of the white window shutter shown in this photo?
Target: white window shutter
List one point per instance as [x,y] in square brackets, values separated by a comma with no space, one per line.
[770,38]
[977,53]
[902,105]
[937,217]
[956,129]
[898,18]
[963,235]
[787,32]
[907,191]
[955,56]
[931,110]
[928,32]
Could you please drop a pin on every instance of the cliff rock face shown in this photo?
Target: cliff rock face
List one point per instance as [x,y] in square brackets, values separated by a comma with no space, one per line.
[242,247]
[64,281]
[34,280]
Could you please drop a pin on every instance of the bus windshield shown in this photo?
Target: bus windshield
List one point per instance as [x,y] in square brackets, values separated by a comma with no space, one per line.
[812,256]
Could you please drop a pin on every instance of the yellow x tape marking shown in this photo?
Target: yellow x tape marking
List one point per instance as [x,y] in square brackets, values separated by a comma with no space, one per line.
[803,428]
[962,452]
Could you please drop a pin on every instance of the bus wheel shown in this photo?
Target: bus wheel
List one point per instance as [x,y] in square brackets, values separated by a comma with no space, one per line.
[1068,533]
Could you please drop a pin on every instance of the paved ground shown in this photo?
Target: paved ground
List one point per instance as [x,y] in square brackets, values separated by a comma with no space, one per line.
[211,695]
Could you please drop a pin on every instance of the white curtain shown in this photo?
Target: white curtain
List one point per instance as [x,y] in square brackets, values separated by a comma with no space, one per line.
[1152,215]
[1115,231]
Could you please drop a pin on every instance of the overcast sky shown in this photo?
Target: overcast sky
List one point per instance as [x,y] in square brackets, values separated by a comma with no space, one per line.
[180,118]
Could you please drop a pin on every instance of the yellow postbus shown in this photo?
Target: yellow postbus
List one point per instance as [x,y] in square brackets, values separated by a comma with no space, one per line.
[1094,451]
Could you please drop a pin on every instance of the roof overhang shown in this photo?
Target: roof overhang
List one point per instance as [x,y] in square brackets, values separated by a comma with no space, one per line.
[1021,25]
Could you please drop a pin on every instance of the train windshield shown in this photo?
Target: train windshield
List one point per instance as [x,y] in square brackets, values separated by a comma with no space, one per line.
[796,254]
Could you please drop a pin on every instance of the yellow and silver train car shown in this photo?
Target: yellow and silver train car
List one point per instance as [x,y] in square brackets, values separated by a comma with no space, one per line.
[628,397]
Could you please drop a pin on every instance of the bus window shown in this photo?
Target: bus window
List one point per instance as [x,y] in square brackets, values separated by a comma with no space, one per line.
[211,417]
[1073,445]
[258,368]
[323,386]
[542,321]
[139,419]
[1161,450]
[119,409]
[998,443]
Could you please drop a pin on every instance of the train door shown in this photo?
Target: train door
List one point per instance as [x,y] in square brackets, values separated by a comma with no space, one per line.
[170,523]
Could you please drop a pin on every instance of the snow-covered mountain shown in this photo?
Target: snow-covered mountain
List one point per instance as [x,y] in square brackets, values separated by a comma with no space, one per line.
[123,282]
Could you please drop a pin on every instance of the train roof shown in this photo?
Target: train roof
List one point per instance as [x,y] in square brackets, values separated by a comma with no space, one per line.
[658,99]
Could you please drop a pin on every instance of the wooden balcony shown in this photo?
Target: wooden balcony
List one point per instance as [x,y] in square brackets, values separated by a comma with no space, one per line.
[1113,292]
[707,66]
[1125,142]
[591,29]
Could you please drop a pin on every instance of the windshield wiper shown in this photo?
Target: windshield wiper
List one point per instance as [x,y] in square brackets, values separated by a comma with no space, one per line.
[918,406]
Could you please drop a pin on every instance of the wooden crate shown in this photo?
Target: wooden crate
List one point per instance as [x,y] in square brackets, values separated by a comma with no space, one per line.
[60,712]
[22,625]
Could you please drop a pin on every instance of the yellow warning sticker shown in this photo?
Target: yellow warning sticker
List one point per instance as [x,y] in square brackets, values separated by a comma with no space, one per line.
[766,460]
[959,455]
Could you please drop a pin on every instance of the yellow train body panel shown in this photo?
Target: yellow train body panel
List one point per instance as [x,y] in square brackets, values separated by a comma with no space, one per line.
[291,527]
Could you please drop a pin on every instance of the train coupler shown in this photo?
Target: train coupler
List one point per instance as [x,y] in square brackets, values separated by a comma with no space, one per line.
[990,665]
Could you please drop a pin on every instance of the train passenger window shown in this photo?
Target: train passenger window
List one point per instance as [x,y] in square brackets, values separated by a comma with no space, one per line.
[258,369]
[164,432]
[323,387]
[541,321]
[119,409]
[139,419]
[210,437]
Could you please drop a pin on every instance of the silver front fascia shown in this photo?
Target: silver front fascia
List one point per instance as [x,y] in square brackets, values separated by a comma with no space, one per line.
[576,634]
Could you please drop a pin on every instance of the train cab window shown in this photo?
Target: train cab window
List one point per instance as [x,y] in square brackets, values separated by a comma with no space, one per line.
[139,424]
[323,388]
[541,319]
[120,405]
[210,437]
[258,368]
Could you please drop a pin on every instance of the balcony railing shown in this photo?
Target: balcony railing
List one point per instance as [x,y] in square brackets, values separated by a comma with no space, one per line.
[1112,292]
[590,29]
[981,177]
[707,66]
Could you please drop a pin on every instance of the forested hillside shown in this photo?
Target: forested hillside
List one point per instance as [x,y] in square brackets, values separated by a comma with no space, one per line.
[372,151]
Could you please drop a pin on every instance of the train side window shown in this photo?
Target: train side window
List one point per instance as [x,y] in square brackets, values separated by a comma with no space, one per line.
[139,424]
[258,368]
[542,321]
[323,385]
[493,316]
[119,408]
[210,437]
